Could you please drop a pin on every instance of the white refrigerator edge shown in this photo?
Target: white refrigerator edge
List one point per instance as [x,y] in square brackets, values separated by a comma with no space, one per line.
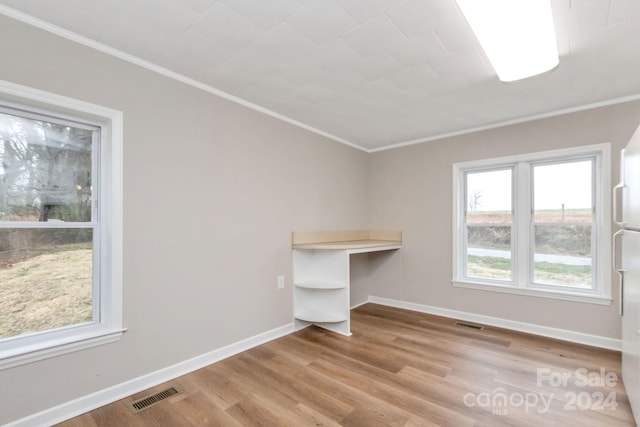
[626,261]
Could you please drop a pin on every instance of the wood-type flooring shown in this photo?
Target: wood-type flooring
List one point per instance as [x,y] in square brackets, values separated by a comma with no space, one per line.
[399,368]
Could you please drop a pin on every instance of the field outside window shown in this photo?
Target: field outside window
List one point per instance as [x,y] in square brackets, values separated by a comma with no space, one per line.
[532,222]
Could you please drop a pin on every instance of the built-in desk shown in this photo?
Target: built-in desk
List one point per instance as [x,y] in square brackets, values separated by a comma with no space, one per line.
[321,274]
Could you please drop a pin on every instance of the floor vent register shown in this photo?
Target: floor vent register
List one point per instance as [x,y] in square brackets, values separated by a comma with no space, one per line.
[147,402]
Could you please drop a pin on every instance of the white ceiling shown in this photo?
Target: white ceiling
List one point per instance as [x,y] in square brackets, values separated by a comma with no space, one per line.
[373,73]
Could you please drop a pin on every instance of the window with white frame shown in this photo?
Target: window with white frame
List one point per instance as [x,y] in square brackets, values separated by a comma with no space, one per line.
[60,225]
[535,224]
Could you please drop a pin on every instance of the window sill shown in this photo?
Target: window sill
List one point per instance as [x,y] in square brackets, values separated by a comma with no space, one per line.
[56,347]
[561,295]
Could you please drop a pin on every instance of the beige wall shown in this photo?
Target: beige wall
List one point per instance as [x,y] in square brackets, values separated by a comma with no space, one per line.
[212,193]
[411,189]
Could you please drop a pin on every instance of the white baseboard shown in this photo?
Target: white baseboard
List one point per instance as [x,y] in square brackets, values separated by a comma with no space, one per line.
[359,304]
[103,397]
[545,331]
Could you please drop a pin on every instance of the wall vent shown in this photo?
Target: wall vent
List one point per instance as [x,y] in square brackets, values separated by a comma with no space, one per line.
[149,401]
[469,325]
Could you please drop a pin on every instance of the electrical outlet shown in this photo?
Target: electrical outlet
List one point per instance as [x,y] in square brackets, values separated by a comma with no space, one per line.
[280,282]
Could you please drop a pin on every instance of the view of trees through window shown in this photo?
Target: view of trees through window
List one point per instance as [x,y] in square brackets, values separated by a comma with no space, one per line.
[489,222]
[46,228]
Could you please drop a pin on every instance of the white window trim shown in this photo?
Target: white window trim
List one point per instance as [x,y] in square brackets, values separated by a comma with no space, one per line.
[602,294]
[33,347]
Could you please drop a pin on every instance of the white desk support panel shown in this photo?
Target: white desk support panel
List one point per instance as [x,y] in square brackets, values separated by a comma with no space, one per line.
[321,274]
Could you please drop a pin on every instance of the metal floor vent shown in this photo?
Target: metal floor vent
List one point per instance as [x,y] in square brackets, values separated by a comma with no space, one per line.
[469,325]
[149,401]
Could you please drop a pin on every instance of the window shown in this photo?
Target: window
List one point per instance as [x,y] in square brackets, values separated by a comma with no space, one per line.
[536,224]
[60,225]
[489,224]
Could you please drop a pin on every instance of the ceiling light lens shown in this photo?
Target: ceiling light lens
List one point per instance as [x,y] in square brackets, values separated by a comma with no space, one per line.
[517,36]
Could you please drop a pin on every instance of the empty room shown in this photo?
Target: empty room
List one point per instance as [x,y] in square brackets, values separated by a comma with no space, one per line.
[319,213]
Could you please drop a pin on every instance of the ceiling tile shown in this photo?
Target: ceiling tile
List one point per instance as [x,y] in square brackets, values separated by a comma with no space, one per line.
[254,63]
[304,71]
[226,27]
[363,10]
[376,66]
[447,84]
[414,78]
[321,21]
[590,31]
[195,48]
[601,39]
[561,13]
[172,19]
[285,43]
[464,62]
[72,14]
[587,15]
[99,8]
[384,92]
[418,51]
[342,82]
[264,17]
[198,5]
[18,4]
[374,36]
[456,34]
[135,37]
[336,56]
[268,64]
[417,18]
[620,10]
[312,94]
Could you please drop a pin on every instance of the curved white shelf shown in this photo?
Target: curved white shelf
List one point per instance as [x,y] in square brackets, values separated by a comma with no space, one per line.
[320,285]
[317,316]
[321,273]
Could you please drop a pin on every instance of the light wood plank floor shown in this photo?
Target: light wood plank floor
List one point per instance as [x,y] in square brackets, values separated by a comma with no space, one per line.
[400,368]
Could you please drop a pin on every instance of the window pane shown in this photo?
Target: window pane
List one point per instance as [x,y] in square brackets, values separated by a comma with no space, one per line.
[45,171]
[489,252]
[563,192]
[45,279]
[488,218]
[563,255]
[488,196]
[563,201]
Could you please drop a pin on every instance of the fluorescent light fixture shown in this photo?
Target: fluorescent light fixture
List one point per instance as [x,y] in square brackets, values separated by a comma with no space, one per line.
[517,35]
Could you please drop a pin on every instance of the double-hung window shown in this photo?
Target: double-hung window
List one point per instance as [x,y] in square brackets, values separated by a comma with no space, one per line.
[535,224]
[60,225]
